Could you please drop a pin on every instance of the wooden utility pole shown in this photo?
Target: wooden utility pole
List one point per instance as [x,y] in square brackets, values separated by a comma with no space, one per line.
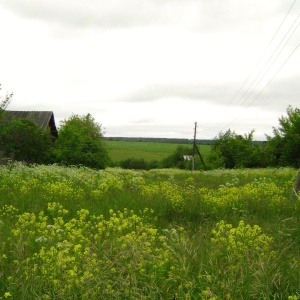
[194,143]
[196,148]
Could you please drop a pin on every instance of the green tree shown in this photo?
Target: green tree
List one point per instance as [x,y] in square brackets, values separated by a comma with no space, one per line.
[231,150]
[284,148]
[80,142]
[26,141]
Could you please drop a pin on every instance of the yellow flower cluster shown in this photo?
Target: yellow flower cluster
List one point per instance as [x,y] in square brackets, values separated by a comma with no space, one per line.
[88,256]
[242,241]
[167,192]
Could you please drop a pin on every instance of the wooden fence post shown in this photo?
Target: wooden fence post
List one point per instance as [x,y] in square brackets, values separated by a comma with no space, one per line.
[296,185]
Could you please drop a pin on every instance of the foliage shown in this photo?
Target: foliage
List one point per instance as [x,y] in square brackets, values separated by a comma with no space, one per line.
[284,148]
[80,141]
[78,233]
[26,141]
[235,151]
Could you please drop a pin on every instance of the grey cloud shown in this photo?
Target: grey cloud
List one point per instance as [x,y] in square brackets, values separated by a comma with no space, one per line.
[276,97]
[157,130]
[79,14]
[200,15]
[96,13]
[220,94]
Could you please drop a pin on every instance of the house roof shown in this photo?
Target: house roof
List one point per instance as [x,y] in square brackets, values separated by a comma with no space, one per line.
[45,119]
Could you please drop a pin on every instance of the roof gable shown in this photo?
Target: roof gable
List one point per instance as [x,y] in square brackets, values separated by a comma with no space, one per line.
[44,119]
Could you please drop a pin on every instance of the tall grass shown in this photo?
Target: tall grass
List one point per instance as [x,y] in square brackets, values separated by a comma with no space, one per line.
[77,233]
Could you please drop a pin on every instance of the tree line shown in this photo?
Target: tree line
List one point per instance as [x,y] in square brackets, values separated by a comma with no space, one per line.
[160,140]
[280,150]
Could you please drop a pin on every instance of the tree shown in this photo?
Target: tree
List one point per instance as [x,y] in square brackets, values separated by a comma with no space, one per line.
[80,141]
[4,101]
[284,148]
[26,141]
[235,151]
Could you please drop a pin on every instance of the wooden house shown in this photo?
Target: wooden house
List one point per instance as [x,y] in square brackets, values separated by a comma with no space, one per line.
[44,119]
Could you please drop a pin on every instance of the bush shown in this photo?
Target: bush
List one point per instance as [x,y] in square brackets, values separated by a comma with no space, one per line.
[80,142]
[231,150]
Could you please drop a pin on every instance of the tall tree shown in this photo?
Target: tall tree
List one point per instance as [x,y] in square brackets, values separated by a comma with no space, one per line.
[235,151]
[80,141]
[284,147]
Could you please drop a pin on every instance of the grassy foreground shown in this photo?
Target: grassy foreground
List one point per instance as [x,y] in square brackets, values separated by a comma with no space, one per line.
[149,151]
[77,233]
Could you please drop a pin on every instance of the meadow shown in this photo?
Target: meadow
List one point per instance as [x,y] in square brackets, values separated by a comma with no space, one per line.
[77,233]
[149,151]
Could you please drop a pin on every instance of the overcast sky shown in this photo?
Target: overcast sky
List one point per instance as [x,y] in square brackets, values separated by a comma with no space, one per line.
[152,68]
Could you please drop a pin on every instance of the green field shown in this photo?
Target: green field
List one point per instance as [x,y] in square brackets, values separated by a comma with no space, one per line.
[78,233]
[122,150]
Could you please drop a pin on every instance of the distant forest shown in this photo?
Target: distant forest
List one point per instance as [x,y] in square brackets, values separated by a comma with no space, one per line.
[159,140]
[164,140]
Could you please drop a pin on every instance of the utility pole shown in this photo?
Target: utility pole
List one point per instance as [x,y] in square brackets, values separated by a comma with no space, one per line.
[194,143]
[196,148]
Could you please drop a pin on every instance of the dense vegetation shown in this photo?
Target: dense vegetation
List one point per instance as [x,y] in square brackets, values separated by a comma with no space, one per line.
[283,149]
[78,233]
[80,142]
[25,140]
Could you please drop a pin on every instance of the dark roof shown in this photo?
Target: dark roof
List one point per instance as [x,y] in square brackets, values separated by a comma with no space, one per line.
[44,119]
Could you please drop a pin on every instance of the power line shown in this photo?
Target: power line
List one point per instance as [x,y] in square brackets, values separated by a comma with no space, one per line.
[264,52]
[282,65]
[272,78]
[258,79]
